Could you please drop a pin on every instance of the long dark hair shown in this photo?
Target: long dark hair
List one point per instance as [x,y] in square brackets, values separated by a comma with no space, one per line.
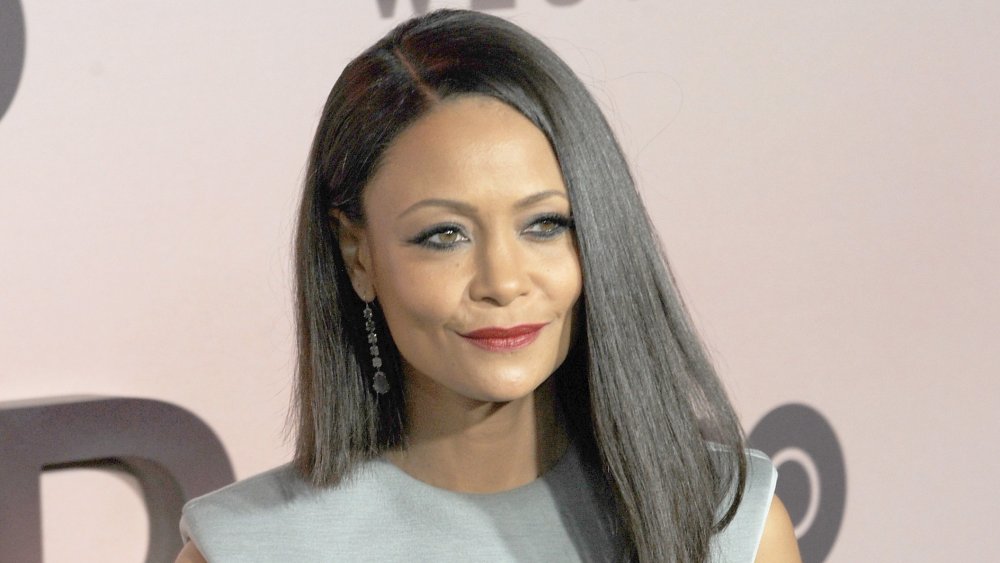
[638,390]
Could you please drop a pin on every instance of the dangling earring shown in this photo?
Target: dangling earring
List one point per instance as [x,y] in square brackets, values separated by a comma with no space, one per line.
[380,384]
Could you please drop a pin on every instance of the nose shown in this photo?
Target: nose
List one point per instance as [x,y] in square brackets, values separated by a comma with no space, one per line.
[501,274]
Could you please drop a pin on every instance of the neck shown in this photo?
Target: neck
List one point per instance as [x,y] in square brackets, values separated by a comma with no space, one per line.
[480,447]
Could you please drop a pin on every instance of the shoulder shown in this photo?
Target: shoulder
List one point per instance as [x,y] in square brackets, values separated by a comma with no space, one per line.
[280,514]
[190,554]
[761,474]
[261,491]
[245,509]
[778,543]
[244,501]
[739,540]
[279,492]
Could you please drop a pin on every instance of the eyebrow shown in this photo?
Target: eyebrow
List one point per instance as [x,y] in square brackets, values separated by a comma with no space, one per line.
[466,209]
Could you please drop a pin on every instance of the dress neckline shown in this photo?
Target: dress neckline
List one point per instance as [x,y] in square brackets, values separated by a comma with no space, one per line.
[569,459]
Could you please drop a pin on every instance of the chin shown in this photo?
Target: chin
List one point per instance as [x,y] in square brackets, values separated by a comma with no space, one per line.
[505,389]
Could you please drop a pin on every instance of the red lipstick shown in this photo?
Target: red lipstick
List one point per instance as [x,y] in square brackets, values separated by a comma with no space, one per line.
[496,339]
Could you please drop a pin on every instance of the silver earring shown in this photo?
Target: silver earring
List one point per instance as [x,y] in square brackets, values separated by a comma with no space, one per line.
[380,384]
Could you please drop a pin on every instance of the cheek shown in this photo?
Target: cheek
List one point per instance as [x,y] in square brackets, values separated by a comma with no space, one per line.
[565,279]
[416,298]
[572,302]
[574,282]
[567,293]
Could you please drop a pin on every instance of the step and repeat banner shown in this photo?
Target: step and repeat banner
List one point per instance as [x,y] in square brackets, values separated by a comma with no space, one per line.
[822,175]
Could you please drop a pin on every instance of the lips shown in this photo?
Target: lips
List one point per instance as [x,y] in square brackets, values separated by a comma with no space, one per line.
[496,339]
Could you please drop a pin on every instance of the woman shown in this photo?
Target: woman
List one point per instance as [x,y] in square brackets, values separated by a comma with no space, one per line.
[494,362]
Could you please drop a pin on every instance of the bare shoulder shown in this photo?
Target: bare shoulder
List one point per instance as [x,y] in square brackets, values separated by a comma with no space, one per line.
[190,554]
[778,544]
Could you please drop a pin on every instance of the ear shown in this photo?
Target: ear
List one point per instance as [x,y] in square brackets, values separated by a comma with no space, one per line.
[353,240]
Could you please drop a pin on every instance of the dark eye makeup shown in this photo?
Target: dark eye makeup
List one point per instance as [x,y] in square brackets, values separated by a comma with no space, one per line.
[448,236]
[440,237]
[548,225]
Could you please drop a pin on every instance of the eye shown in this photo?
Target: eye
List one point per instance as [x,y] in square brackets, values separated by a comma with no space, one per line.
[440,237]
[549,225]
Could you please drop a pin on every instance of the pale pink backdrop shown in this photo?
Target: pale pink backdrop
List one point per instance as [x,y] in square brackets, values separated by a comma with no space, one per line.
[823,176]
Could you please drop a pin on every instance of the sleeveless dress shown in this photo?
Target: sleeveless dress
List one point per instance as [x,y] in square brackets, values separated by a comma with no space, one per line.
[382,514]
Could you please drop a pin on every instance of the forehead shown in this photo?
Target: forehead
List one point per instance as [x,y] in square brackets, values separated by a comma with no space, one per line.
[472,148]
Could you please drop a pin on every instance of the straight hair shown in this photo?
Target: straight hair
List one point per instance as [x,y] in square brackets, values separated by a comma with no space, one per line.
[637,389]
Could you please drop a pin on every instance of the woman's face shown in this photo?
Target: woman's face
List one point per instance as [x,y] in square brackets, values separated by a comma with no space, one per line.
[468,247]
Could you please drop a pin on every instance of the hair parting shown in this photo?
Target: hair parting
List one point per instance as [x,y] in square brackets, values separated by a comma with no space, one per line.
[638,390]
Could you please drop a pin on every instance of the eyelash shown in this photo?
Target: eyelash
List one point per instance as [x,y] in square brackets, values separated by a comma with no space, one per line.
[561,223]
